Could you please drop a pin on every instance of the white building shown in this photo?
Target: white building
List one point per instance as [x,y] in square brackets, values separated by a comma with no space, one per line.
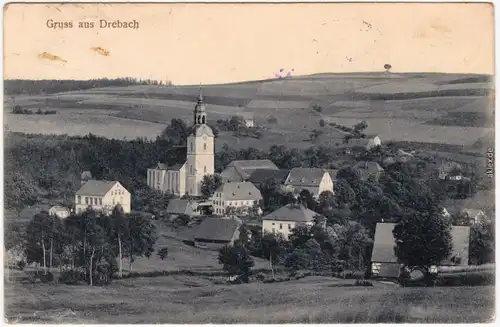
[186,178]
[59,212]
[315,180]
[102,196]
[240,196]
[286,218]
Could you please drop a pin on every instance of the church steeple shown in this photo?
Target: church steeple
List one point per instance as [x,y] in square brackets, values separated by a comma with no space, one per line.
[200,114]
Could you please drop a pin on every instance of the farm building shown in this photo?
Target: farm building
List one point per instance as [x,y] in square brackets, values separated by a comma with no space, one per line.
[102,196]
[214,233]
[241,170]
[239,195]
[384,261]
[59,212]
[474,215]
[178,207]
[451,171]
[286,218]
[366,143]
[248,119]
[315,180]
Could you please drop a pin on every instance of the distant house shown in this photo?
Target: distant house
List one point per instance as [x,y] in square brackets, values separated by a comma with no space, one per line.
[59,212]
[241,170]
[286,218]
[315,180]
[365,143]
[85,177]
[178,207]
[259,176]
[474,215]
[239,195]
[248,119]
[403,156]
[102,196]
[385,263]
[167,178]
[214,233]
[450,171]
[368,169]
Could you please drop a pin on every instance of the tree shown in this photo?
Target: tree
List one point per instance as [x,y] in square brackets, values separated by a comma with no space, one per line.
[387,67]
[295,260]
[209,184]
[120,232]
[315,133]
[162,253]
[273,246]
[236,260]
[142,237]
[423,239]
[482,243]
[19,191]
[306,199]
[176,132]
[38,233]
[322,123]
[358,128]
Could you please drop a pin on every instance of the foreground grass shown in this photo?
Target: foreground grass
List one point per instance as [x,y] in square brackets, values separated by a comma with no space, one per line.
[187,299]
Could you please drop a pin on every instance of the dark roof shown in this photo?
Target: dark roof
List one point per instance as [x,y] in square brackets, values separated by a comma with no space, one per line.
[233,174]
[305,176]
[292,213]
[221,229]
[239,191]
[99,188]
[383,245]
[258,176]
[241,170]
[161,166]
[178,206]
[176,167]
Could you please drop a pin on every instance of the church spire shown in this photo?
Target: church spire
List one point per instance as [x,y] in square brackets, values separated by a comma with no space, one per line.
[200,115]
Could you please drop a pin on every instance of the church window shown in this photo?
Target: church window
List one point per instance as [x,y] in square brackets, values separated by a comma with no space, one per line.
[191,169]
[204,169]
[204,146]
[203,119]
[192,146]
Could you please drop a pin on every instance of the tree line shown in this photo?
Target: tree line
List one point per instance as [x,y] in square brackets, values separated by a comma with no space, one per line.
[33,87]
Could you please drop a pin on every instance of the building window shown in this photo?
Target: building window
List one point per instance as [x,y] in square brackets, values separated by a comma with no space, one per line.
[281,226]
[289,226]
[204,169]
[192,146]
[273,224]
[79,199]
[100,201]
[191,169]
[204,146]
[86,200]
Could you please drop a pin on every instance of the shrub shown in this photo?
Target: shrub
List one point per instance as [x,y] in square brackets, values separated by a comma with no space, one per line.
[260,276]
[71,277]
[362,283]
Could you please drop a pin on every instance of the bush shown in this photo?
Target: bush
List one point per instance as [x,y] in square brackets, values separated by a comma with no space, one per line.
[362,283]
[71,277]
[260,277]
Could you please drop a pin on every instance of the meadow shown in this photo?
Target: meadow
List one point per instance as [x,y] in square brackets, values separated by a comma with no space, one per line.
[429,108]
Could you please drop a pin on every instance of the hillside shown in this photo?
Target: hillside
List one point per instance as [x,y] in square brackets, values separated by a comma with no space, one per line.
[429,108]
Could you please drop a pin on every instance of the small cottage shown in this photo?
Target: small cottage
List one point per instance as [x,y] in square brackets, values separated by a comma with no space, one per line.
[59,212]
[286,218]
[214,233]
[314,180]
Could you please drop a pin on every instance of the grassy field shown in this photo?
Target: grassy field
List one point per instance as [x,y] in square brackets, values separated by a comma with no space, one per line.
[183,299]
[433,108]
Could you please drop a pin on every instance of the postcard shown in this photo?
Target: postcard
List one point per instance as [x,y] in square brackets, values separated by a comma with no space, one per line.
[248,163]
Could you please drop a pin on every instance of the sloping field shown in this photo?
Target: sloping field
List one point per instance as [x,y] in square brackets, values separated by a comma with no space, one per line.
[188,300]
[407,107]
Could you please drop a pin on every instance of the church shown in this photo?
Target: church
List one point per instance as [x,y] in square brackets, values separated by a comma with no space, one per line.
[185,179]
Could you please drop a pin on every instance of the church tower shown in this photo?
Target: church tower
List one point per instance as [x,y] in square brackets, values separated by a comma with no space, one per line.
[200,150]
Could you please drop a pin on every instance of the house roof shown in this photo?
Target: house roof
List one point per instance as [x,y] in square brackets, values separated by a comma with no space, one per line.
[176,166]
[253,164]
[179,206]
[383,246]
[297,213]
[258,176]
[239,191]
[221,229]
[233,174]
[305,176]
[358,142]
[99,188]
[162,166]
[449,166]
[333,173]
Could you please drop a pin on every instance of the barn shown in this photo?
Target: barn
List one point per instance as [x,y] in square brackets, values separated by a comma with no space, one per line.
[214,233]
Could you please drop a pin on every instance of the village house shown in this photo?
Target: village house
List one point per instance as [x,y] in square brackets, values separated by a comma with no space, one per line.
[241,170]
[366,143]
[102,196]
[214,233]
[474,215]
[239,196]
[450,171]
[286,218]
[59,212]
[186,177]
[315,180]
[177,207]
[385,263]
[248,119]
[368,169]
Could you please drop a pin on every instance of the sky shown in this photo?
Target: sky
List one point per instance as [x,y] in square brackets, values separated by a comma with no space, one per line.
[224,43]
